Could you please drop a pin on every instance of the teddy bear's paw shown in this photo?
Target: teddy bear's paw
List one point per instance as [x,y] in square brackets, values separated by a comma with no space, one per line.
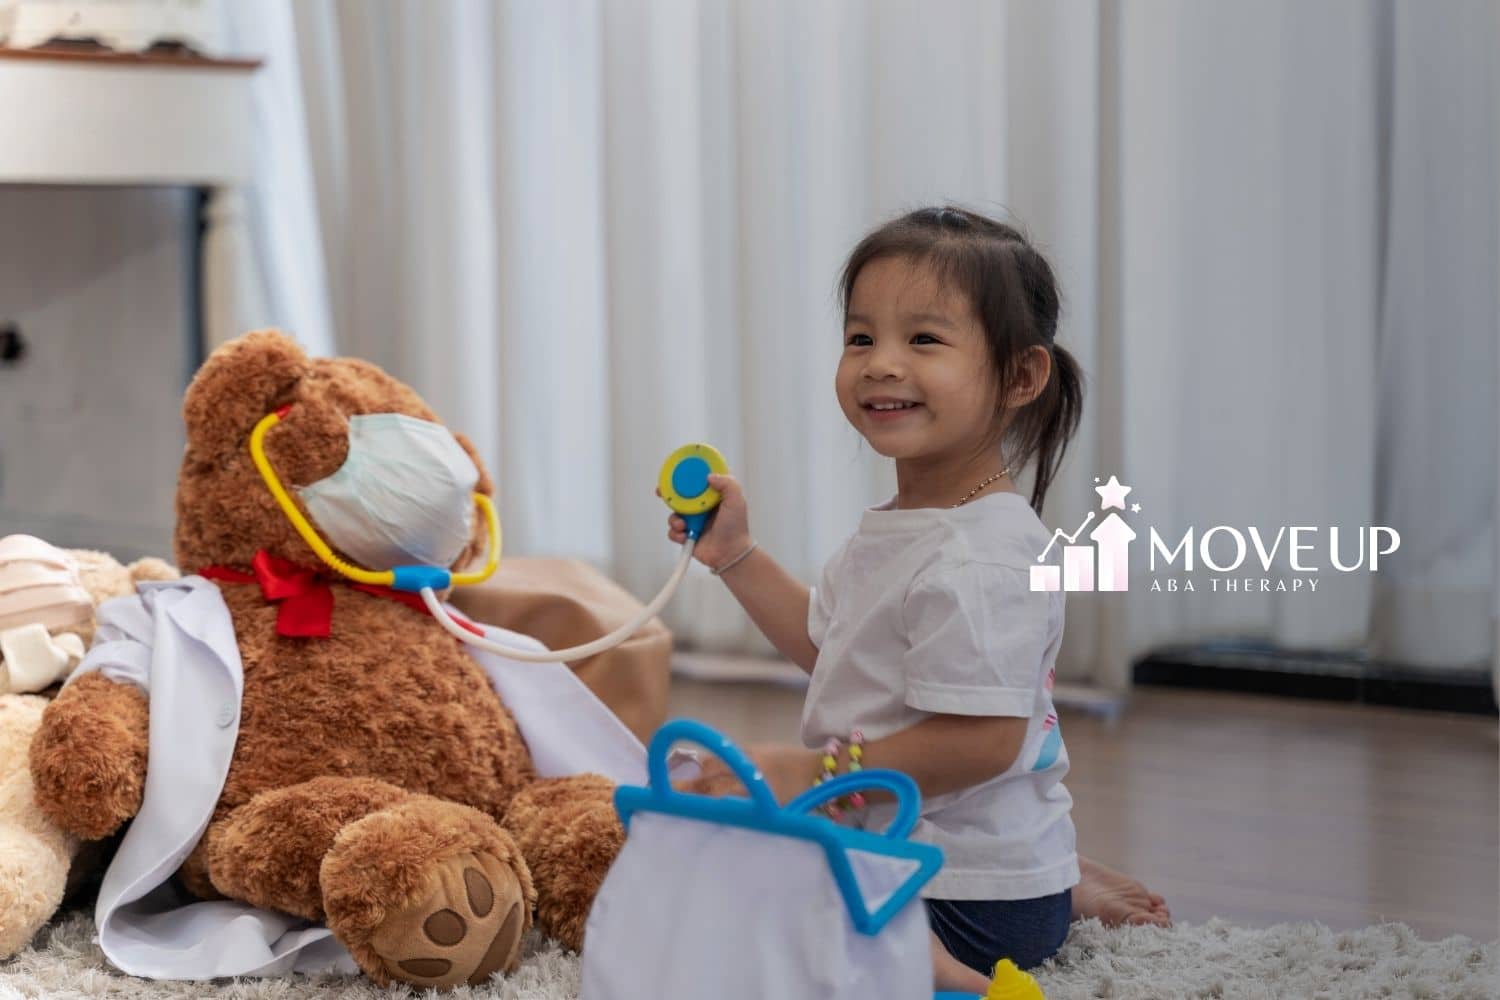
[88,758]
[462,925]
[33,874]
[429,892]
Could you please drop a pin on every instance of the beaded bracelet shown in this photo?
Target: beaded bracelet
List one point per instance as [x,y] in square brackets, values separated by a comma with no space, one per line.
[855,801]
[830,769]
[856,758]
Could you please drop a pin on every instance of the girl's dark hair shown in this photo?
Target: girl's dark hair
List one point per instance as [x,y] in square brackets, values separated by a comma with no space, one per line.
[1013,293]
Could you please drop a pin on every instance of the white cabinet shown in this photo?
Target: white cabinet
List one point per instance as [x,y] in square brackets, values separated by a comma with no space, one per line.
[113,269]
[96,282]
[106,118]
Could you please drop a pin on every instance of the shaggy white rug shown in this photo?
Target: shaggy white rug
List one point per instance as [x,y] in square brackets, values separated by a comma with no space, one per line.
[1210,960]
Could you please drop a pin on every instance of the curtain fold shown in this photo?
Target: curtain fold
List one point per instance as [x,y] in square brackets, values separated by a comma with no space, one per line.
[1250,292]
[279,277]
[591,231]
[1438,418]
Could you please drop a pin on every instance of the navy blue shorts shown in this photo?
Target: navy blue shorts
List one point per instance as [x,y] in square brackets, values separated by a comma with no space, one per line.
[980,932]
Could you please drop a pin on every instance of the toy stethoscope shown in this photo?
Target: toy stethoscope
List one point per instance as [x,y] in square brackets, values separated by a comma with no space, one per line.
[683,485]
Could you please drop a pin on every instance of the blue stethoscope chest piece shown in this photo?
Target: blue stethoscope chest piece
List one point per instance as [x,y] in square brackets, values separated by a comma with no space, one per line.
[690,477]
[683,484]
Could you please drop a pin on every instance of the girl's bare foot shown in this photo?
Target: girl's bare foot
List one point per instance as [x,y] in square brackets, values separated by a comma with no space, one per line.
[1115,898]
[948,973]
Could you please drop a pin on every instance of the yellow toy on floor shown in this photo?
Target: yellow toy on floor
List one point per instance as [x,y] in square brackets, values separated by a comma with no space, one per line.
[1012,983]
[1009,983]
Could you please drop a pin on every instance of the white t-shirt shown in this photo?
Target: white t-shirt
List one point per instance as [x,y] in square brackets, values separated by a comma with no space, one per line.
[931,611]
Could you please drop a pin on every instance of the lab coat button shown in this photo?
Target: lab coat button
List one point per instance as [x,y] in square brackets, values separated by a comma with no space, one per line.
[226,715]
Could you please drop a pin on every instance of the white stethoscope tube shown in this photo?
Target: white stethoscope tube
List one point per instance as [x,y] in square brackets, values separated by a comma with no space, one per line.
[583,652]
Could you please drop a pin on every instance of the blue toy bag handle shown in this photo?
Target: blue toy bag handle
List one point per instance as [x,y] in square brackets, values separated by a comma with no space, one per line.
[760,813]
[716,743]
[908,798]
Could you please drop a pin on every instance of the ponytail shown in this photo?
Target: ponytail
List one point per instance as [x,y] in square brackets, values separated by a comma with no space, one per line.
[1059,410]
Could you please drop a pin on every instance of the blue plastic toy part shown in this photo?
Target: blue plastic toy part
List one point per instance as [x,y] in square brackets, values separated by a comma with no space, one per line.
[682,483]
[696,523]
[414,578]
[760,812]
[690,477]
[908,799]
[948,995]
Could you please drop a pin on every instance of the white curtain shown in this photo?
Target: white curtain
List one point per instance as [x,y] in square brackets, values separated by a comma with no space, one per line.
[265,260]
[590,231]
[1439,335]
[1310,254]
[1250,287]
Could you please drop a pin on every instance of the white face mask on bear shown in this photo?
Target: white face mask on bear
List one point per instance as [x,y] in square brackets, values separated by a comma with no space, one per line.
[404,496]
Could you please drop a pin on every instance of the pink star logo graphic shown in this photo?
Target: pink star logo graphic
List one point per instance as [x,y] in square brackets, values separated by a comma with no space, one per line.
[1112,494]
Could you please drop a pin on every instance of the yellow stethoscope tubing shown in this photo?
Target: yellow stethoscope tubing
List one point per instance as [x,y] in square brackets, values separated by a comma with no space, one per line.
[309,534]
[492,558]
[386,577]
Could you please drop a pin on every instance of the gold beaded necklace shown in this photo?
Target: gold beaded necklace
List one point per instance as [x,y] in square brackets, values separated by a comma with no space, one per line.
[970,495]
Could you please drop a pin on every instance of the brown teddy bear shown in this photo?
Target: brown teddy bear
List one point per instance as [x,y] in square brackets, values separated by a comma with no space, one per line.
[378,784]
[47,596]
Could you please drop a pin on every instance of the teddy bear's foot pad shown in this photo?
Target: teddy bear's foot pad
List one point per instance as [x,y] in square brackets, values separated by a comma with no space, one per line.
[462,925]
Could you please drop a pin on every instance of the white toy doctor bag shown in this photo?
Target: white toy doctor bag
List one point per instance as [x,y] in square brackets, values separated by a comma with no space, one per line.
[740,898]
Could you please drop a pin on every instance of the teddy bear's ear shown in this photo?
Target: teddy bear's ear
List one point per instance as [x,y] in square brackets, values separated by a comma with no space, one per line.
[151,568]
[101,574]
[239,384]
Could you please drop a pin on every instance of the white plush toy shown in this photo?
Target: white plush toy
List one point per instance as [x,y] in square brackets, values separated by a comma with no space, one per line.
[47,601]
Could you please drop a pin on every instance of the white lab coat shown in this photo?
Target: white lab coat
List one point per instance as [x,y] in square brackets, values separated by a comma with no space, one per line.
[175,640]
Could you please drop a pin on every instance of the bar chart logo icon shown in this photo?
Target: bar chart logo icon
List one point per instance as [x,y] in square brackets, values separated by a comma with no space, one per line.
[1102,563]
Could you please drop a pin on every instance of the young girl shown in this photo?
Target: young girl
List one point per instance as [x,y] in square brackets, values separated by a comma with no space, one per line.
[929,652]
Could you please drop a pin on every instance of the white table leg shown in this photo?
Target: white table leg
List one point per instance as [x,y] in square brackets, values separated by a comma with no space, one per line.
[230,301]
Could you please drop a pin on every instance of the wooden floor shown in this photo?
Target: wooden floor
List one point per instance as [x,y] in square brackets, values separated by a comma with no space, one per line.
[1258,809]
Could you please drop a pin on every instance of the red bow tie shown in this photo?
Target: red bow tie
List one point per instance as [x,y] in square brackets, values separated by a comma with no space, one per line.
[306,594]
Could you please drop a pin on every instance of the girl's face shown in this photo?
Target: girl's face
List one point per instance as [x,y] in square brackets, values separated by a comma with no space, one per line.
[916,377]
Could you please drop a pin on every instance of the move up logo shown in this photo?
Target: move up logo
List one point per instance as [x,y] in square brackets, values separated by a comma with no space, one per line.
[1234,555]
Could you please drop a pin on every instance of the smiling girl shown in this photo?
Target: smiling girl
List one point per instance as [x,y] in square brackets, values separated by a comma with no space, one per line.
[928,651]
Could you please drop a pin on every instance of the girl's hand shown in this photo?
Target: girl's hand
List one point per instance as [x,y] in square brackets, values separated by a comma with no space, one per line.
[728,531]
[789,770]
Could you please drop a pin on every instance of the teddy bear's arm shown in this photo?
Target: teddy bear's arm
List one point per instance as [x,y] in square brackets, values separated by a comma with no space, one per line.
[88,759]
